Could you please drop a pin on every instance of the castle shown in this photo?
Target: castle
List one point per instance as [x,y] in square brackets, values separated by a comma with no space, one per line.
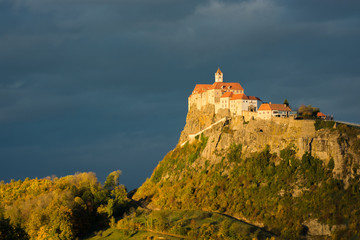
[231,96]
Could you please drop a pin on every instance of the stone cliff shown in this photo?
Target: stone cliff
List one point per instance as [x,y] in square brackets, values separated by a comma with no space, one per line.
[277,133]
[296,178]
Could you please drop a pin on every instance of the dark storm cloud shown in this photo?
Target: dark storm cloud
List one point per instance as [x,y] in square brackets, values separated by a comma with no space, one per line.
[100,85]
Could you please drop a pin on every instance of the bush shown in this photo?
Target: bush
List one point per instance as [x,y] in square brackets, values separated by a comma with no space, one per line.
[234,154]
[322,124]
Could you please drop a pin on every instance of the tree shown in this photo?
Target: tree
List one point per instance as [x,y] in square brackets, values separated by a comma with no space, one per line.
[308,111]
[112,180]
[286,102]
[9,232]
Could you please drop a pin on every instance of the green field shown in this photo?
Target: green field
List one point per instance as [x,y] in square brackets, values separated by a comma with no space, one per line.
[116,234]
[180,224]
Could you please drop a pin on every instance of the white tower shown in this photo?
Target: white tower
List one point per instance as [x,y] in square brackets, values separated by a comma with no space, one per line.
[218,76]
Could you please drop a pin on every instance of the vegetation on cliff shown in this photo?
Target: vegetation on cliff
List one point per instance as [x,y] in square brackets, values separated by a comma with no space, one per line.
[281,192]
[59,208]
[202,189]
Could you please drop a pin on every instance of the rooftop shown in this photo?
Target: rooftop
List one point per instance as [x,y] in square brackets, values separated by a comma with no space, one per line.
[270,106]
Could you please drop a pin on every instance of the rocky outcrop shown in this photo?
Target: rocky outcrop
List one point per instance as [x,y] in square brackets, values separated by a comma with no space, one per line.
[315,228]
[278,133]
[287,196]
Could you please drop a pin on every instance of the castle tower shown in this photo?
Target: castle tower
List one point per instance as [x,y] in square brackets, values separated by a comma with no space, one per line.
[218,76]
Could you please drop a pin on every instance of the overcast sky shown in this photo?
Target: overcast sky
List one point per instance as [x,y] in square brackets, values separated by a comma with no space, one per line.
[101,85]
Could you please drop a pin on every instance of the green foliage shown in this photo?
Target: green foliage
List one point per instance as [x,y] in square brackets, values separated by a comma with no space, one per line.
[348,131]
[288,153]
[61,208]
[322,124]
[286,102]
[282,195]
[126,234]
[112,180]
[194,224]
[308,111]
[156,177]
[356,146]
[234,152]
[331,164]
[175,161]
[11,232]
[312,169]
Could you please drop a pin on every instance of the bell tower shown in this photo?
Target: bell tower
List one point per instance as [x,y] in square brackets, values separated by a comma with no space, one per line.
[218,76]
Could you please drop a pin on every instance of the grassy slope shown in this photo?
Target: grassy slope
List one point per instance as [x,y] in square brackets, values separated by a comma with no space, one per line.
[116,234]
[181,224]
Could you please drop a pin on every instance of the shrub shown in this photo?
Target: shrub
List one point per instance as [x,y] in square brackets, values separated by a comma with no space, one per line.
[234,154]
[322,124]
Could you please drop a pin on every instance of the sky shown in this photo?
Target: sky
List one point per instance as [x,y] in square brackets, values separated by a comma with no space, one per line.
[90,85]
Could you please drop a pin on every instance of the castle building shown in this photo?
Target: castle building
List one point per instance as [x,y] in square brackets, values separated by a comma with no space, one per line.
[269,110]
[223,96]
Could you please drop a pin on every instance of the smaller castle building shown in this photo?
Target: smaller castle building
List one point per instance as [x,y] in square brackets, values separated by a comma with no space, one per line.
[269,110]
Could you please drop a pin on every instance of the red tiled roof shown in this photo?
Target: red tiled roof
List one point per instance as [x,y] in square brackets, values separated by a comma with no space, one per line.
[279,107]
[244,97]
[239,96]
[254,98]
[200,88]
[227,94]
[264,107]
[320,114]
[220,85]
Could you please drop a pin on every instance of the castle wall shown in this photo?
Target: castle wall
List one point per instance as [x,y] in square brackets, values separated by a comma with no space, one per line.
[266,115]
[211,96]
[217,107]
[249,115]
[237,107]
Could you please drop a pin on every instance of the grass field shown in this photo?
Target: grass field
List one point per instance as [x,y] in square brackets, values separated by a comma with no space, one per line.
[117,234]
[181,224]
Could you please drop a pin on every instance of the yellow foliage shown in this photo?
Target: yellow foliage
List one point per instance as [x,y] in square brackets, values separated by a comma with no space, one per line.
[46,207]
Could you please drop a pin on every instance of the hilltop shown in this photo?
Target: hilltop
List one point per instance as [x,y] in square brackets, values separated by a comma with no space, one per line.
[326,140]
[292,177]
[259,163]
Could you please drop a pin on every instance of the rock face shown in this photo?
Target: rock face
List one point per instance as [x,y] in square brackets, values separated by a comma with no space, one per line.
[278,133]
[230,170]
[317,229]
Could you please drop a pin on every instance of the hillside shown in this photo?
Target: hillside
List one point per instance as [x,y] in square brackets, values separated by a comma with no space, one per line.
[59,208]
[292,177]
[228,178]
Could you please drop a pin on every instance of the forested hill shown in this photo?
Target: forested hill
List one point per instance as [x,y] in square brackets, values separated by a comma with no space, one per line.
[294,178]
[60,208]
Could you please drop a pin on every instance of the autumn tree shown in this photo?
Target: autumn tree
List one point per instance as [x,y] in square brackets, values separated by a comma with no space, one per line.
[112,180]
[308,111]
[60,208]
